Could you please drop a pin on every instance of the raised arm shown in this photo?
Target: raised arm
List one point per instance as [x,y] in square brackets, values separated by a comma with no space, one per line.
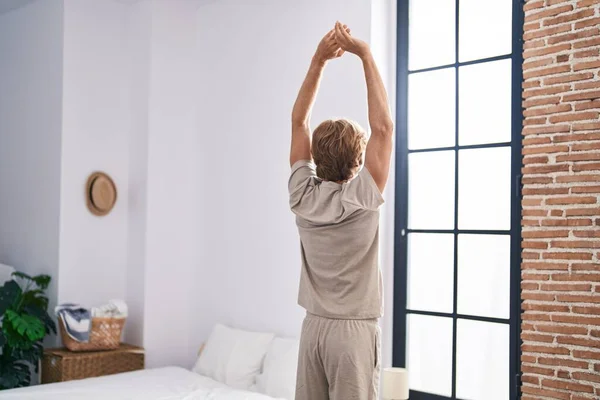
[301,135]
[379,147]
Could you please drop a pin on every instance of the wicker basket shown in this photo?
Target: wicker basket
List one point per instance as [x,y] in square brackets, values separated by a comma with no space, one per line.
[60,365]
[105,334]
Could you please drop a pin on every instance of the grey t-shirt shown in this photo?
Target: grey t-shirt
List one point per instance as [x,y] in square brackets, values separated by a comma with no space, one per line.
[339,237]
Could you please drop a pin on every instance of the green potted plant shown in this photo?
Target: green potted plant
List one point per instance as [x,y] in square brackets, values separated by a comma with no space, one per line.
[24,323]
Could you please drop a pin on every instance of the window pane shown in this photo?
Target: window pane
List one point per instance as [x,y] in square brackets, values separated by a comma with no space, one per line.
[430,271]
[431,109]
[485,29]
[484,103]
[431,34]
[430,354]
[484,188]
[484,275]
[431,190]
[482,360]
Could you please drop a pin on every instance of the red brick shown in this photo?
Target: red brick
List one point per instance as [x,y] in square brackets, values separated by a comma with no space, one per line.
[533,44]
[534,337]
[531,5]
[570,386]
[587,53]
[566,222]
[545,393]
[575,319]
[535,317]
[586,310]
[587,167]
[588,126]
[567,330]
[579,157]
[534,121]
[573,116]
[584,96]
[530,222]
[586,43]
[586,65]
[542,190]
[585,267]
[531,202]
[534,112]
[546,91]
[567,255]
[587,85]
[545,266]
[539,159]
[536,180]
[549,12]
[569,17]
[530,256]
[534,277]
[580,212]
[528,130]
[528,348]
[541,102]
[577,298]
[531,84]
[586,3]
[578,178]
[583,376]
[568,78]
[534,380]
[586,146]
[573,200]
[568,37]
[587,22]
[546,149]
[587,234]
[538,296]
[566,287]
[543,308]
[586,355]
[578,137]
[577,277]
[544,234]
[534,34]
[533,244]
[586,105]
[556,213]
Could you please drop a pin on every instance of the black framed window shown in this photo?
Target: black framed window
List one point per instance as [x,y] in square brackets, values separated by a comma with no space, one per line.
[457,240]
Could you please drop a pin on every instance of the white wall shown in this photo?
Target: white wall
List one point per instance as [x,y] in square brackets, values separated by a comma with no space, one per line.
[30,138]
[254,58]
[96,109]
[173,178]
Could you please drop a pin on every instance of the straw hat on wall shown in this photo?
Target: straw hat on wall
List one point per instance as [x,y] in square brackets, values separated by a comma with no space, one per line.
[101,193]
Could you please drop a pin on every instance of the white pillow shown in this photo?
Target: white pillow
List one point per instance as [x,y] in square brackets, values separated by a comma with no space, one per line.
[233,356]
[278,378]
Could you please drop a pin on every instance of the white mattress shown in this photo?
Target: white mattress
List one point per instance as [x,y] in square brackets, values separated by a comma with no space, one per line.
[170,383]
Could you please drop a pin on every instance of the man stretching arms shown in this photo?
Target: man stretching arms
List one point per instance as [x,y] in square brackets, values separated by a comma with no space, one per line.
[336,201]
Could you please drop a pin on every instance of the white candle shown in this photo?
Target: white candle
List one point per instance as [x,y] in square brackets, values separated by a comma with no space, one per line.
[395,384]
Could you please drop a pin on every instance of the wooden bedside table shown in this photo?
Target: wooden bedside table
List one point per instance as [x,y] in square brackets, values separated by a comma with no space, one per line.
[60,365]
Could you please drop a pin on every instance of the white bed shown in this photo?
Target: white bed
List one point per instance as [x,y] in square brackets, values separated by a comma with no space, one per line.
[170,383]
[234,365]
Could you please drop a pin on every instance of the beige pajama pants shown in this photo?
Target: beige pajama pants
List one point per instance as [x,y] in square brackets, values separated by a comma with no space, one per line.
[338,359]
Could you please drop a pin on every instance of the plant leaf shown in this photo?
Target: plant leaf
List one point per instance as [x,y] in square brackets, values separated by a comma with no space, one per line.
[9,294]
[42,281]
[22,275]
[27,325]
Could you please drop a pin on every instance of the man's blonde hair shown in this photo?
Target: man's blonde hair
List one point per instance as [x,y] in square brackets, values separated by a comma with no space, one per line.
[337,149]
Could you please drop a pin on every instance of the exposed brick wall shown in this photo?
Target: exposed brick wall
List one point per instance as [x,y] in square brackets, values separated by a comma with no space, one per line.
[561,211]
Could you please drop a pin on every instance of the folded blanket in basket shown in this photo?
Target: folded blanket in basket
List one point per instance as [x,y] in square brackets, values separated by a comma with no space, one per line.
[76,320]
